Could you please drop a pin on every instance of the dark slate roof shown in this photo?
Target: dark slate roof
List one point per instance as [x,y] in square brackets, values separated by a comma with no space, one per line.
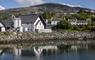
[49,26]
[26,19]
[7,23]
[43,21]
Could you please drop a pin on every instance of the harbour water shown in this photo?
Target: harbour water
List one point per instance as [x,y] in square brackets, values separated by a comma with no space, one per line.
[80,54]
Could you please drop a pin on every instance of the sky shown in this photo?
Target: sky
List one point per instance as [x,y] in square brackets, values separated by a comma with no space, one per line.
[6,4]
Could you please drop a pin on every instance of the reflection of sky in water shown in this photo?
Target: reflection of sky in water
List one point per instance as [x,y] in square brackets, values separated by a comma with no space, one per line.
[7,56]
[71,55]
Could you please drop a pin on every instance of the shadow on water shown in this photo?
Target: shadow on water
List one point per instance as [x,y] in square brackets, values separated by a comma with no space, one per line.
[27,52]
[61,50]
[49,52]
[64,47]
[5,50]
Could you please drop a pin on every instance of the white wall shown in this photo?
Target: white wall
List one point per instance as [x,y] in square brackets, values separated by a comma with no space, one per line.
[39,25]
[17,22]
[27,27]
[21,29]
[2,29]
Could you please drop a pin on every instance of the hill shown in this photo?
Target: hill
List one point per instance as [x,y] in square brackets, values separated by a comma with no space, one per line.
[46,7]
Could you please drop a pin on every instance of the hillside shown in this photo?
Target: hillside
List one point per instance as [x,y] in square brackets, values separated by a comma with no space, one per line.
[47,7]
[54,7]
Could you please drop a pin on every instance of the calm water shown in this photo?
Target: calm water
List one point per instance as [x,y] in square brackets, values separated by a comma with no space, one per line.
[52,55]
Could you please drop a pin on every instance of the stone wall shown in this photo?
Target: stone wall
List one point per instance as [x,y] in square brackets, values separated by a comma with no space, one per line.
[10,36]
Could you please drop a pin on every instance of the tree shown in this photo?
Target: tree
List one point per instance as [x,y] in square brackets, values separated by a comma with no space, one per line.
[93,18]
[48,15]
[4,16]
[64,24]
[92,23]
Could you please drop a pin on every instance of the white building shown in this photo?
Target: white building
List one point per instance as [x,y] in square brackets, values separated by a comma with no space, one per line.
[30,23]
[52,22]
[78,22]
[26,23]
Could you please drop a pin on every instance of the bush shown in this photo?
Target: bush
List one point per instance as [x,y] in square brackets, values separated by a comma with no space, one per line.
[63,25]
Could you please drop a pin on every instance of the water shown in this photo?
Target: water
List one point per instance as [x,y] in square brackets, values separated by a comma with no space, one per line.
[82,54]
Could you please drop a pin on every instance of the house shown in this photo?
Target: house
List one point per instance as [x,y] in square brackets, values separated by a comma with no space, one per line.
[25,23]
[78,22]
[29,23]
[7,24]
[52,23]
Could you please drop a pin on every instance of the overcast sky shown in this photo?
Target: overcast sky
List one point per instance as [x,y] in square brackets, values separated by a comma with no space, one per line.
[5,4]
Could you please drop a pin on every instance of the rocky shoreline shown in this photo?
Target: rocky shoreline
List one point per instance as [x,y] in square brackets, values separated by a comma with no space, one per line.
[17,37]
